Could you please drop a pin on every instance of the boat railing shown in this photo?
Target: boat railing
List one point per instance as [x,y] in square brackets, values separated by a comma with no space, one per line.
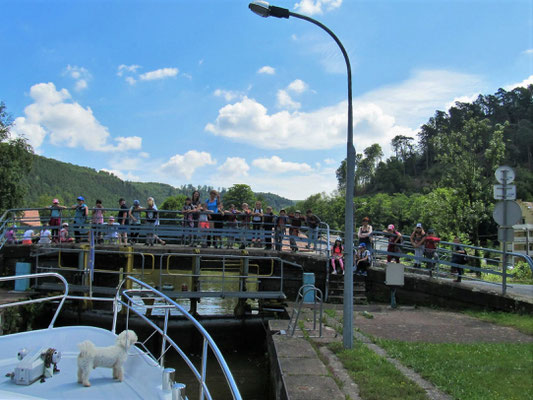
[61,297]
[154,299]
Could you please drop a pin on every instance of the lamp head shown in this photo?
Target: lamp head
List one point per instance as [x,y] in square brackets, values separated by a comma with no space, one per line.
[263,9]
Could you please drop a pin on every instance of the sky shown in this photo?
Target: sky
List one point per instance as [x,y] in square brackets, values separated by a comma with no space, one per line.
[206,92]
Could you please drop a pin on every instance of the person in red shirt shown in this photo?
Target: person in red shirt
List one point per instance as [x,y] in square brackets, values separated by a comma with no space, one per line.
[395,241]
[431,248]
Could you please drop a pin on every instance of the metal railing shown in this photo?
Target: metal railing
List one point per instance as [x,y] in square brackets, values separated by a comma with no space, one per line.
[149,295]
[300,300]
[171,228]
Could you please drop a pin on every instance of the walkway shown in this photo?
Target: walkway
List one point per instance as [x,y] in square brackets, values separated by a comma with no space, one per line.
[311,371]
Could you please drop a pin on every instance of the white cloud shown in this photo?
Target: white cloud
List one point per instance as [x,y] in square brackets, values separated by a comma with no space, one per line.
[329,161]
[525,83]
[65,123]
[228,95]
[80,75]
[313,7]
[161,73]
[185,165]
[130,80]
[267,69]
[234,167]
[276,165]
[284,100]
[129,143]
[528,52]
[379,115]
[131,69]
[298,86]
[125,176]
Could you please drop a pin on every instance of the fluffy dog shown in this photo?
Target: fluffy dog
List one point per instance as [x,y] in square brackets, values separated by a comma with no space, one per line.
[110,357]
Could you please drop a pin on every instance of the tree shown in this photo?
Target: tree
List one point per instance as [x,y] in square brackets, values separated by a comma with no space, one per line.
[15,163]
[468,159]
[238,194]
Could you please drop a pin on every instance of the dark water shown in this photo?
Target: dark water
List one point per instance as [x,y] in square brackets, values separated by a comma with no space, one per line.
[244,349]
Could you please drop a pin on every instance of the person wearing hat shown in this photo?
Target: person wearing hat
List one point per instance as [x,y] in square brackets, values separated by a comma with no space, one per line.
[395,241]
[55,219]
[418,237]
[80,219]
[363,258]
[111,232]
[64,236]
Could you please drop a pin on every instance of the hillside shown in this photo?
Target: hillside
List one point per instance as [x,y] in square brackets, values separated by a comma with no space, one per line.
[49,179]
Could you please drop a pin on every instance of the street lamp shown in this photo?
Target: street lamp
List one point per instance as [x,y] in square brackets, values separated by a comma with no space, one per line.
[263,9]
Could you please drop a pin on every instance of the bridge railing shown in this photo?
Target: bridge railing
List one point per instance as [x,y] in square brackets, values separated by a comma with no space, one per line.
[172,227]
[481,263]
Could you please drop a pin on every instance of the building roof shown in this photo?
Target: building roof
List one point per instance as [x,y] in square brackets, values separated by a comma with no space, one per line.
[30,218]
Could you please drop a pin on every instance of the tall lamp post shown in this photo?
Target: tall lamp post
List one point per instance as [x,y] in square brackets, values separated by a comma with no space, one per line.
[263,9]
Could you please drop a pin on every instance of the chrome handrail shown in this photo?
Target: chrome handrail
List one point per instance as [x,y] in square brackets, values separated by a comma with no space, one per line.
[63,297]
[208,341]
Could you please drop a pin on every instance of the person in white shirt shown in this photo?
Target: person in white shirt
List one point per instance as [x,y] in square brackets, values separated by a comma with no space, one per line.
[45,237]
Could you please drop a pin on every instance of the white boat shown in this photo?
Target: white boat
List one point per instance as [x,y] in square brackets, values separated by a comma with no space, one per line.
[26,375]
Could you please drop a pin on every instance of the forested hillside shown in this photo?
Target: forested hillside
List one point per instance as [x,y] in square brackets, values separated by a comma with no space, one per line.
[49,179]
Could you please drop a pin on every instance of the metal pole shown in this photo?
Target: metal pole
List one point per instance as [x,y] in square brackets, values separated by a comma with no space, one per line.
[504,256]
[347,330]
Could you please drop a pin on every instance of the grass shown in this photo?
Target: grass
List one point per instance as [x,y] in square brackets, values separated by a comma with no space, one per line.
[376,377]
[522,323]
[479,371]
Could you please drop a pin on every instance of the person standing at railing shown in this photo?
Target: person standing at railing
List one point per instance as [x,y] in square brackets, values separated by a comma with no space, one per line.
[98,221]
[431,248]
[214,205]
[460,257]
[55,219]
[230,217]
[152,220]
[418,237]
[123,221]
[188,221]
[80,219]
[364,233]
[134,216]
[257,221]
[280,223]
[395,241]
[294,229]
[246,216]
[312,222]
[203,224]
[195,202]
[268,224]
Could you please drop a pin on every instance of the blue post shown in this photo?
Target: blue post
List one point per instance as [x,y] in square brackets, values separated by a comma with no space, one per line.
[22,268]
[309,279]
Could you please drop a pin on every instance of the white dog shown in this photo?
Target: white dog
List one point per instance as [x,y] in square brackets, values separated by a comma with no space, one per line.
[110,357]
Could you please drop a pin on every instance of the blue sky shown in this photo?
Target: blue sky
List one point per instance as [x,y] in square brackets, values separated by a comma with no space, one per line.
[206,92]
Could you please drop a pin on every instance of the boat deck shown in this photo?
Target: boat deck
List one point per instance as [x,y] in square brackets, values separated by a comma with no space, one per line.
[142,376]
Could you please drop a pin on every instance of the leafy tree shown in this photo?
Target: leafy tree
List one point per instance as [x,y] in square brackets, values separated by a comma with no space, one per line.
[15,163]
[238,194]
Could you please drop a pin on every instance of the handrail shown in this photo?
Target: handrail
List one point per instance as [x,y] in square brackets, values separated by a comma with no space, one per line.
[317,295]
[42,299]
[208,341]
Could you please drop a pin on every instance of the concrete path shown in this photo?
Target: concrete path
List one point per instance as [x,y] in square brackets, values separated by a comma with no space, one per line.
[311,371]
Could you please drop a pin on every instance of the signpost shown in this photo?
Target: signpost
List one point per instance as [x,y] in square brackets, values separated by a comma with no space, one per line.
[506,213]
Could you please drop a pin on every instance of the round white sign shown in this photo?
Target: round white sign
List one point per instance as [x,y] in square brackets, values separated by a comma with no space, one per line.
[504,174]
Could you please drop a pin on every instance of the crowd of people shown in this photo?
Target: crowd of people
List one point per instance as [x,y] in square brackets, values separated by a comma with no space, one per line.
[208,223]
[423,244]
[204,223]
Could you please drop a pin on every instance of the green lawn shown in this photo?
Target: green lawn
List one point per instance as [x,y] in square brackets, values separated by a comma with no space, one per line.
[376,377]
[523,323]
[481,371]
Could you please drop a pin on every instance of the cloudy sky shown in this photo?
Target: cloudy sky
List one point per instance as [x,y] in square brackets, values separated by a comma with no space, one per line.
[206,92]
